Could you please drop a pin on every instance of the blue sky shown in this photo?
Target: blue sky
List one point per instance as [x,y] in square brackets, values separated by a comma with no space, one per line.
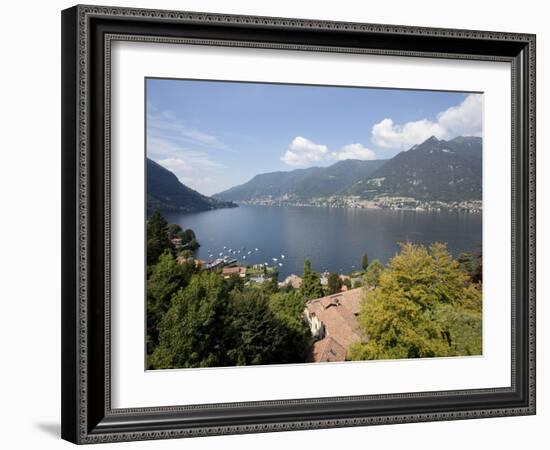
[214,135]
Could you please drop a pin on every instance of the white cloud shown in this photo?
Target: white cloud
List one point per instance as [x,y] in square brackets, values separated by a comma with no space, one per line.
[461,120]
[354,151]
[302,152]
[464,119]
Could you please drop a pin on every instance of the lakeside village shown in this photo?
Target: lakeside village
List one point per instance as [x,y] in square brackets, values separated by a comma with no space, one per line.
[332,319]
[222,312]
[379,202]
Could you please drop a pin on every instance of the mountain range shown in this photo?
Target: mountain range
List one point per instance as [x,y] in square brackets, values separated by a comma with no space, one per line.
[433,170]
[303,183]
[165,193]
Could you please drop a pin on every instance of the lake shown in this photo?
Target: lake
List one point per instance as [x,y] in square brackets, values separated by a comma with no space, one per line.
[332,238]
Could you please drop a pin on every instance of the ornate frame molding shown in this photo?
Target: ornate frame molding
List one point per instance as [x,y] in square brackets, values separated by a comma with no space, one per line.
[80,71]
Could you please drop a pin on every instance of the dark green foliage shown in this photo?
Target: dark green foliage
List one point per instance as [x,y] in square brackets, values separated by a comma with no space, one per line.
[192,245]
[334,283]
[157,237]
[289,307]
[271,286]
[365,261]
[471,263]
[167,194]
[347,283]
[372,277]
[234,282]
[311,284]
[188,238]
[174,231]
[192,330]
[206,325]
[256,335]
[167,277]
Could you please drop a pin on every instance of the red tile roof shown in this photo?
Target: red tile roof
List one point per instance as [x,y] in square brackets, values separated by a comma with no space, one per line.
[338,314]
[328,350]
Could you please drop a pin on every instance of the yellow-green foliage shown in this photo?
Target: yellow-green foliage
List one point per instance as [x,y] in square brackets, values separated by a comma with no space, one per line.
[424,306]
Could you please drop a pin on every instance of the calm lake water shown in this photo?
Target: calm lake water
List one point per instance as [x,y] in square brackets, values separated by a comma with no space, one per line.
[332,238]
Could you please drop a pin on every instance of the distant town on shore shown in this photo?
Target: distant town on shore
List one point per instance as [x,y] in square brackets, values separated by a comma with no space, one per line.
[436,175]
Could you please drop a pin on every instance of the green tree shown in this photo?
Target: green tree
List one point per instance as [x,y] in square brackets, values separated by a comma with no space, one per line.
[424,306]
[256,335]
[289,307]
[192,330]
[365,261]
[311,284]
[167,277]
[372,277]
[347,282]
[271,286]
[334,283]
[461,328]
[189,235]
[471,263]
[234,282]
[174,231]
[193,245]
[157,237]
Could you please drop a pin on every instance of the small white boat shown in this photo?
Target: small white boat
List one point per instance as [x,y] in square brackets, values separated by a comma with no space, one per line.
[244,256]
[256,249]
[280,264]
[275,259]
[283,256]
[249,253]
[220,254]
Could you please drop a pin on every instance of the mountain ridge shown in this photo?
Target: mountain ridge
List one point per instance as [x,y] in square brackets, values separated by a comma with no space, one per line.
[436,169]
[302,183]
[441,170]
[165,193]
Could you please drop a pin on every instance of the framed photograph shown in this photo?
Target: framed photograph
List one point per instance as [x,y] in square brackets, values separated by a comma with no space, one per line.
[280,224]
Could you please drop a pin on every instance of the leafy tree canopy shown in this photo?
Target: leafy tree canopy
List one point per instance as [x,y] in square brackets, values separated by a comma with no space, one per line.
[424,306]
[372,277]
[311,284]
[191,331]
[157,237]
[334,283]
[365,261]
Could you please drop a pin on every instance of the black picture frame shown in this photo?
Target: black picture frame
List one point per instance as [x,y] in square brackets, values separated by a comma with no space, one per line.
[87,32]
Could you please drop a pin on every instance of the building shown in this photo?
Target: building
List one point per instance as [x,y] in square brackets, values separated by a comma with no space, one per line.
[333,323]
[176,242]
[327,350]
[292,280]
[228,272]
[258,280]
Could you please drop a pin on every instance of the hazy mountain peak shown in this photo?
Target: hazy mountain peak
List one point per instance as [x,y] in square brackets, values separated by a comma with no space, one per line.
[435,169]
[165,193]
